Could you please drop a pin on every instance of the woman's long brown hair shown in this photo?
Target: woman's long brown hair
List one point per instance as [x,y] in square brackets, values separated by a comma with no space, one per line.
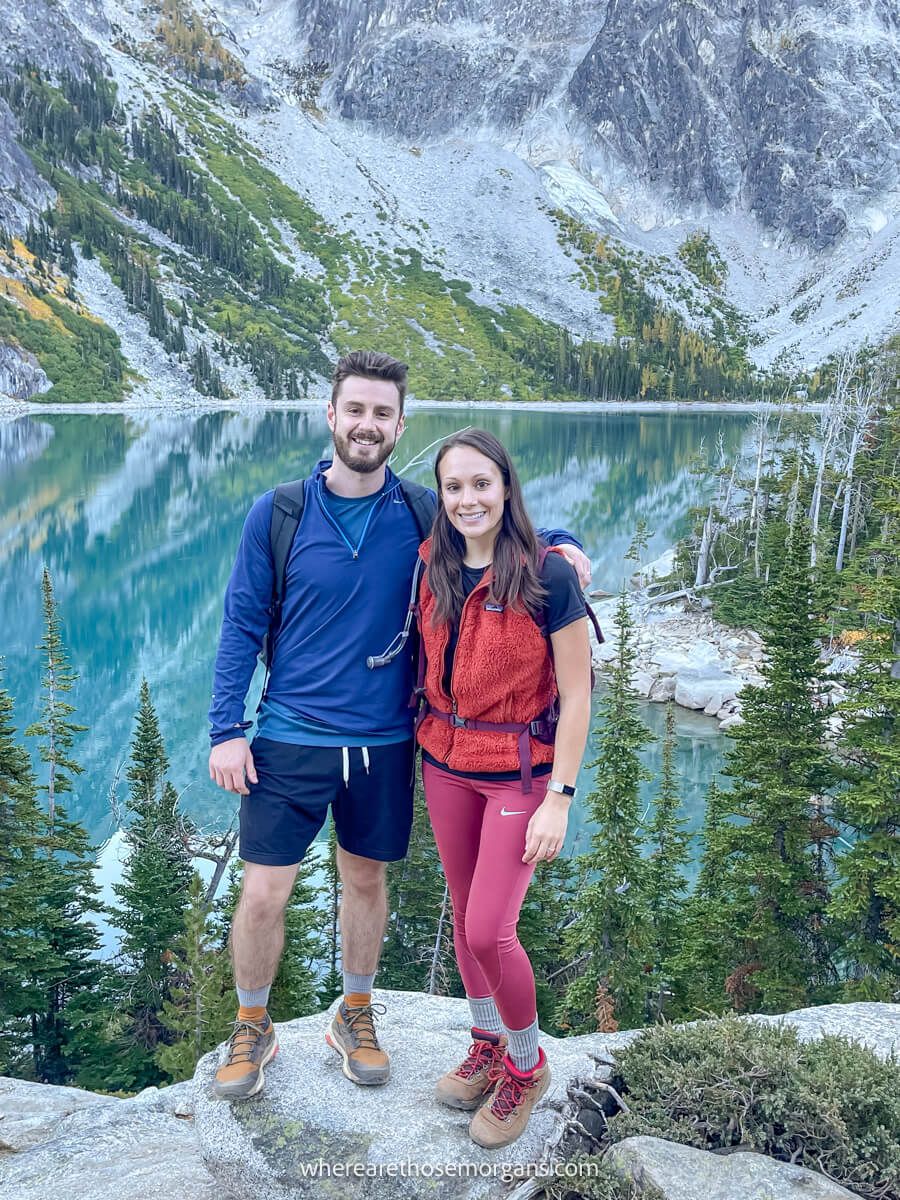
[516,581]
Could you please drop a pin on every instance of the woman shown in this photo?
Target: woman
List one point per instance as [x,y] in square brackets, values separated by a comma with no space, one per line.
[504,632]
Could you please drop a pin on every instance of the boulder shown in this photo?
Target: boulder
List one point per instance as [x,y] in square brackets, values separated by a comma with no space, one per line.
[873,1024]
[698,687]
[122,1149]
[663,688]
[642,682]
[30,1112]
[313,1132]
[685,1173]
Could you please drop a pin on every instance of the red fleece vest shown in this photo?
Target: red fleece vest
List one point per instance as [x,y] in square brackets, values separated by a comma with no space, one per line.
[502,672]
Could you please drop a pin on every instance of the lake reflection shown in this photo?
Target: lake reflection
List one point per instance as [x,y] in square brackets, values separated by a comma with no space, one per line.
[138,519]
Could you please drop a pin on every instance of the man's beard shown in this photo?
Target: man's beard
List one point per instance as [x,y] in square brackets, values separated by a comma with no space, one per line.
[345,450]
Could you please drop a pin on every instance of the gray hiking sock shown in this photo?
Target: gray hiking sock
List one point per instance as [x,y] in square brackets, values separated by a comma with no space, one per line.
[484,1014]
[523,1046]
[255,997]
[358,983]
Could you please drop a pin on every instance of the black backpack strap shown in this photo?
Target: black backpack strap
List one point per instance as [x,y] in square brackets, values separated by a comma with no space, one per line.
[423,503]
[286,513]
[287,509]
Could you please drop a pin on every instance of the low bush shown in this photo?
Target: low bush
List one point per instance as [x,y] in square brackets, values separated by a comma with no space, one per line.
[830,1105]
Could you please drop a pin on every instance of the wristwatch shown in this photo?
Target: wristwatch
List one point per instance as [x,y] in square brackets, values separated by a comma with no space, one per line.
[563,788]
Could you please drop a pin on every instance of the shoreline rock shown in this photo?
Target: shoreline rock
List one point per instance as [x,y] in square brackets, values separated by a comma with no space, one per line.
[686,655]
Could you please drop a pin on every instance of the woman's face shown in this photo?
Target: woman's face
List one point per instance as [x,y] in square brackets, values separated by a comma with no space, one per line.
[472,493]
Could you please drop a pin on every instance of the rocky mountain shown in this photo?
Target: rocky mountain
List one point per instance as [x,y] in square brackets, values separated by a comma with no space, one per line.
[578,199]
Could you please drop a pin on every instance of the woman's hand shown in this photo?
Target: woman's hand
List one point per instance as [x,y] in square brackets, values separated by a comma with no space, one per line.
[546,830]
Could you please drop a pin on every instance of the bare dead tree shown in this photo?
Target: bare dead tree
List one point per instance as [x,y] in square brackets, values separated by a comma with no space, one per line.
[717,514]
[832,422]
[438,948]
[864,404]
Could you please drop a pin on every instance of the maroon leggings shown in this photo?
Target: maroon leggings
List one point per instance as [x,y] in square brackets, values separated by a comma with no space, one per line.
[480,828]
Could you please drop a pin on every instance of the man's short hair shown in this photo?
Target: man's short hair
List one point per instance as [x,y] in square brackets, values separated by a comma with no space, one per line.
[369,364]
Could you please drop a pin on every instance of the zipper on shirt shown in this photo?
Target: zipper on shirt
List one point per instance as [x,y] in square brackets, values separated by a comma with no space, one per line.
[354,550]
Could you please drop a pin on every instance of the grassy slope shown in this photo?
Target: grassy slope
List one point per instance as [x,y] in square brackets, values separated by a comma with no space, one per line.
[244,302]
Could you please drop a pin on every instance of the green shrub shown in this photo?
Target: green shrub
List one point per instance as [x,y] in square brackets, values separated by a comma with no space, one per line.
[829,1105]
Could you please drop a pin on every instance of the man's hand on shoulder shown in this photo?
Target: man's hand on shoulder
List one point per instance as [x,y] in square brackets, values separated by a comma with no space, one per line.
[579,561]
[231,765]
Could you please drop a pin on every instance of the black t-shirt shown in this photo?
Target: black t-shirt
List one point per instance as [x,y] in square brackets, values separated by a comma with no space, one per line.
[563,604]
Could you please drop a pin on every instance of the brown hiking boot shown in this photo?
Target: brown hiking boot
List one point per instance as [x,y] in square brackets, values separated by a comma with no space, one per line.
[503,1116]
[250,1047]
[465,1086]
[352,1034]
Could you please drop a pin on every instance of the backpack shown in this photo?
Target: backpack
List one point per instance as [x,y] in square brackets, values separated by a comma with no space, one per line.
[287,512]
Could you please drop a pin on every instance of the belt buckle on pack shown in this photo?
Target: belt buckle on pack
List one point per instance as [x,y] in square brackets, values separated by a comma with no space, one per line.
[457,722]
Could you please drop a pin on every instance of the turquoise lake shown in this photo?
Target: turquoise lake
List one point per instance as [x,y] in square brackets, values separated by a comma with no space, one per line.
[138,519]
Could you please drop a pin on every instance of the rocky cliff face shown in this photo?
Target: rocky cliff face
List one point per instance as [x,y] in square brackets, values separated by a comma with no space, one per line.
[786,108]
[790,109]
[423,68]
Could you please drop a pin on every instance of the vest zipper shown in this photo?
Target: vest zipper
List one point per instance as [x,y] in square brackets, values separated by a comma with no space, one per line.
[475,589]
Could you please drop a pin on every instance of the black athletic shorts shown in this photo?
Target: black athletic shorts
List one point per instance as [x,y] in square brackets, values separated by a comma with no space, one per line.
[371,802]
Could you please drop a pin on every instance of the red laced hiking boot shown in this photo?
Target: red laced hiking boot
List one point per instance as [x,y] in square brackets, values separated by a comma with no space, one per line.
[352,1034]
[503,1116]
[465,1086]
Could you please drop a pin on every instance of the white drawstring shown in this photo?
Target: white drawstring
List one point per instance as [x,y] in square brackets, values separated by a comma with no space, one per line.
[345,756]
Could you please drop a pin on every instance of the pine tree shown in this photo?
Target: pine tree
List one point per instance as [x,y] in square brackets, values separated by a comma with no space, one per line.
[199,1008]
[294,990]
[779,764]
[63,869]
[411,960]
[866,902]
[55,726]
[153,894]
[609,939]
[26,949]
[668,844]
[703,961]
[332,982]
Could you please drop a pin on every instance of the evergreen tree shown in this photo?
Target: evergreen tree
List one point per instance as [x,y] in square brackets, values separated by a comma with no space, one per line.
[332,981]
[779,764]
[412,959]
[668,845]
[866,902]
[153,894]
[199,1008]
[63,869]
[55,727]
[703,960]
[26,949]
[294,990]
[609,938]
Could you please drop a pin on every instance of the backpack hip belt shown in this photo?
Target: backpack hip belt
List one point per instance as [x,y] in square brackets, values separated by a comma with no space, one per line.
[543,727]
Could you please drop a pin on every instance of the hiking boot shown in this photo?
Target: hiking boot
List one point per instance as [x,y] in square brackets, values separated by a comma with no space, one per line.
[465,1086]
[352,1034]
[250,1047]
[503,1116]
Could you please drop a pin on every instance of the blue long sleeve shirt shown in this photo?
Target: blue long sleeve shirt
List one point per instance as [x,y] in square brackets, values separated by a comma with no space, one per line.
[342,603]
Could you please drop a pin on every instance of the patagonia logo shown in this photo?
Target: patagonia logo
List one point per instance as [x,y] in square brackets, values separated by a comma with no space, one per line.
[493,608]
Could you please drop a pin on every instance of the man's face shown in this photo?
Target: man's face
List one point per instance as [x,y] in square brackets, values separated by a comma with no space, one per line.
[365,422]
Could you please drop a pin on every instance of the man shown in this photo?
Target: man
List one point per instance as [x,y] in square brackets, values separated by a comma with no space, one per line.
[330,730]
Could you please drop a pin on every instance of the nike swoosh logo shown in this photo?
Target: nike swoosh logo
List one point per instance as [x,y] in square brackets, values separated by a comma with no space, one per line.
[504,813]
